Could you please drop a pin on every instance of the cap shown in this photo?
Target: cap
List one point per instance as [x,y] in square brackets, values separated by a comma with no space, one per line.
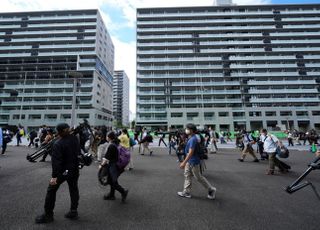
[60,127]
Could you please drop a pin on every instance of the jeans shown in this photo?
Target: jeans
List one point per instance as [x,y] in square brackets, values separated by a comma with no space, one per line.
[172,145]
[72,181]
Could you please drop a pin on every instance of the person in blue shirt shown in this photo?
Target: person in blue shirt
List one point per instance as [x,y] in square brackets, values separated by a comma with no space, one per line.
[191,166]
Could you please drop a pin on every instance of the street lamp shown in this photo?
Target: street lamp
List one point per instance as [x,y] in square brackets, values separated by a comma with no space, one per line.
[75,76]
[22,96]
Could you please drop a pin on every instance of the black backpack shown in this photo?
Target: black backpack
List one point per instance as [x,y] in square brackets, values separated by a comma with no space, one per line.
[201,149]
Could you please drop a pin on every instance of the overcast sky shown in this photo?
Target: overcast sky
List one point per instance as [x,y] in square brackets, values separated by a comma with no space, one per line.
[119,17]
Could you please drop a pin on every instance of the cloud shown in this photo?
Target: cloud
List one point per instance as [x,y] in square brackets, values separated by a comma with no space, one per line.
[125,59]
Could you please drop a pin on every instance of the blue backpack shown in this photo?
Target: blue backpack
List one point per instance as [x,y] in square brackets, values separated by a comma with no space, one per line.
[123,157]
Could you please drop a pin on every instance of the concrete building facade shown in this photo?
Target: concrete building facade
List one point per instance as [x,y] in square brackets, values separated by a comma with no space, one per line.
[229,67]
[38,50]
[121,86]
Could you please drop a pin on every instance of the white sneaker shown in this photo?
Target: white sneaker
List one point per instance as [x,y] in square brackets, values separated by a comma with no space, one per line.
[182,194]
[212,194]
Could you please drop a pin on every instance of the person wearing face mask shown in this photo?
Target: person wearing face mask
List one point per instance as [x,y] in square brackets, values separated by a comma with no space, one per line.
[191,166]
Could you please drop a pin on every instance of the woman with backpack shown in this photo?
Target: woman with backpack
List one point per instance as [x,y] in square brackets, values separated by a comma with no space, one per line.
[110,161]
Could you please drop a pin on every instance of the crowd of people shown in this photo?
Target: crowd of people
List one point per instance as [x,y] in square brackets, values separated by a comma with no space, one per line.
[190,145]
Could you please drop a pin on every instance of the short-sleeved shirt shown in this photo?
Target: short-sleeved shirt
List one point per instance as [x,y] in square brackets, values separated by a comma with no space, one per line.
[269,143]
[192,144]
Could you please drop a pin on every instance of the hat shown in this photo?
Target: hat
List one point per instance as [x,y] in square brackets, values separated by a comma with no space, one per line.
[60,127]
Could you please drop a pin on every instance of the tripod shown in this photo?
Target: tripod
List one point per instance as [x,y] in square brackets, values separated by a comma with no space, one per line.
[298,184]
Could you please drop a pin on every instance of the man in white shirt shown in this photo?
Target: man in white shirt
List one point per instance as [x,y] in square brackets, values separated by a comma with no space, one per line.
[270,144]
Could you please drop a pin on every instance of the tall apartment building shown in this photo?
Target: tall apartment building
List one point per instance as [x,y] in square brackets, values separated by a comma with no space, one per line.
[229,67]
[38,50]
[121,86]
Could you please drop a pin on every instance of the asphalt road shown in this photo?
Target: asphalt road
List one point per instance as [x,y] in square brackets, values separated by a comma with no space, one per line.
[246,197]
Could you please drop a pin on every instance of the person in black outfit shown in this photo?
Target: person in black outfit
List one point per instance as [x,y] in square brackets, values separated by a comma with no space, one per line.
[110,161]
[65,167]
[32,136]
[161,138]
[6,138]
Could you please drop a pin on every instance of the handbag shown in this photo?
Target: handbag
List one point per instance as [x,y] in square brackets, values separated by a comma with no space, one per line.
[282,152]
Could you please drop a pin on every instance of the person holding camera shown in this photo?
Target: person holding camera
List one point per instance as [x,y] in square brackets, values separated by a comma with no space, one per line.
[65,167]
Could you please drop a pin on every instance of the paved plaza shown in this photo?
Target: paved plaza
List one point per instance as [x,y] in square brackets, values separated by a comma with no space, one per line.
[246,197]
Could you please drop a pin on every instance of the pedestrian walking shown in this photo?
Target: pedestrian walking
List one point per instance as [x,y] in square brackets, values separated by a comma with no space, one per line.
[270,144]
[110,161]
[191,166]
[290,139]
[32,137]
[248,141]
[65,167]
[161,136]
[146,140]
[124,139]
[47,140]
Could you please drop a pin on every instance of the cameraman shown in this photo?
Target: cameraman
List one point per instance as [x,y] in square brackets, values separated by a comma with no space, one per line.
[65,167]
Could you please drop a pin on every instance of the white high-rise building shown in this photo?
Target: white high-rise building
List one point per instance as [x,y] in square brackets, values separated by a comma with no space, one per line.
[121,87]
[38,50]
[229,67]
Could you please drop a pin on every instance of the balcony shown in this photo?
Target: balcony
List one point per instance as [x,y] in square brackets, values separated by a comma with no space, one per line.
[284,100]
[286,82]
[282,91]
[151,102]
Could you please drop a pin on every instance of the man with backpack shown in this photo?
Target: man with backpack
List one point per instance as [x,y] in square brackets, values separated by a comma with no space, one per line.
[191,166]
[248,141]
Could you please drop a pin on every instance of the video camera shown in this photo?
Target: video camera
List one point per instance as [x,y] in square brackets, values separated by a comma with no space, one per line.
[85,158]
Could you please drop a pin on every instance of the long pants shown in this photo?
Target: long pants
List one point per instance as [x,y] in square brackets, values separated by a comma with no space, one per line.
[18,139]
[31,141]
[4,147]
[290,141]
[213,146]
[102,149]
[145,146]
[194,170]
[73,191]
[113,176]
[161,140]
[274,161]
[172,145]
[248,149]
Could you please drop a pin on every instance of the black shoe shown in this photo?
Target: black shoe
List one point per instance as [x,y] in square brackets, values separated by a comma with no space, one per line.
[109,197]
[44,218]
[72,215]
[255,160]
[241,160]
[151,153]
[124,195]
[43,160]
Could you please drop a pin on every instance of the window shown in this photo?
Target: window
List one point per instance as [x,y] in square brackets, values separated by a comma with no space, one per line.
[271,113]
[223,114]
[315,113]
[255,114]
[285,113]
[302,113]
[176,114]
